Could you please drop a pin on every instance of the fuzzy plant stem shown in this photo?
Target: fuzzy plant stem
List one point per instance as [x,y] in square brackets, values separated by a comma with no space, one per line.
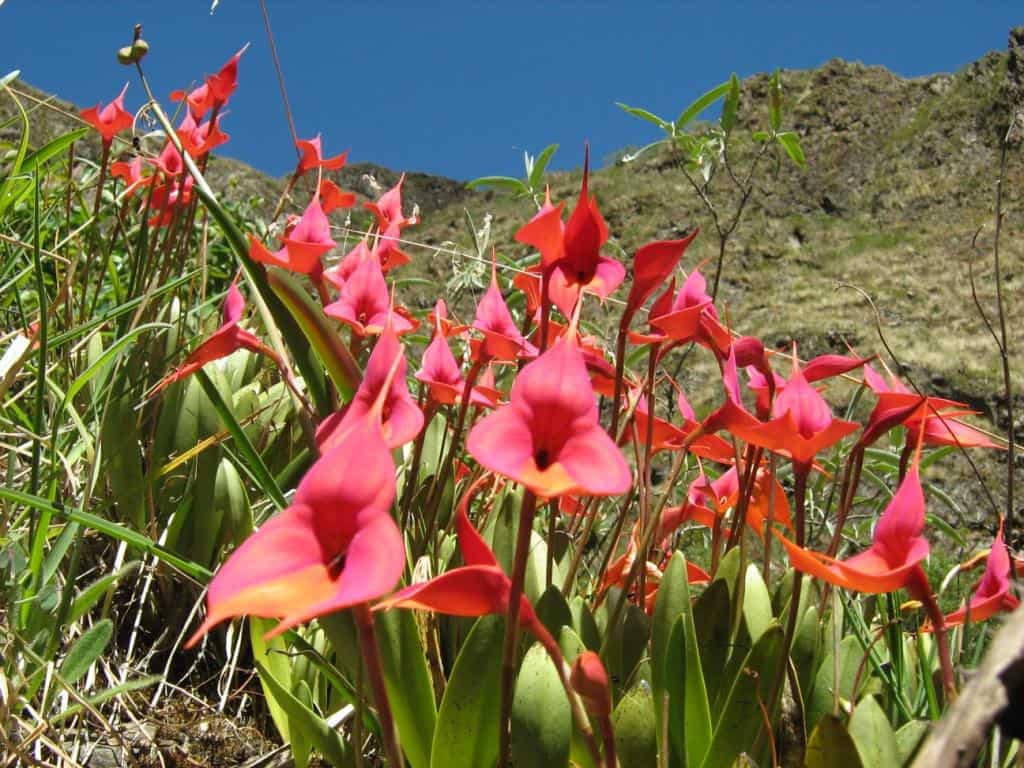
[371,657]
[508,656]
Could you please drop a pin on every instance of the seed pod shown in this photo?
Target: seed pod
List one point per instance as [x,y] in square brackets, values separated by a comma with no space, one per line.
[139,49]
[124,55]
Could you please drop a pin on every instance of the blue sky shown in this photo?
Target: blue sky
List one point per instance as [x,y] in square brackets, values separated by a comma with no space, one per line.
[462,88]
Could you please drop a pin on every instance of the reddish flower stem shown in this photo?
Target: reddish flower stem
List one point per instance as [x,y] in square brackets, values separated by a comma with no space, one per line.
[437,486]
[920,589]
[800,473]
[620,364]
[509,654]
[371,657]
[545,308]
[645,470]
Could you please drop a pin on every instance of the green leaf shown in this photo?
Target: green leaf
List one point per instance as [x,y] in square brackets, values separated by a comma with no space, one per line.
[52,148]
[672,602]
[633,722]
[870,730]
[408,683]
[108,528]
[775,101]
[86,650]
[711,622]
[830,746]
[584,623]
[501,182]
[909,738]
[313,727]
[731,106]
[541,718]
[805,651]
[743,714]
[272,657]
[690,727]
[10,185]
[553,611]
[540,165]
[643,114]
[791,143]
[88,597]
[105,695]
[254,462]
[757,603]
[851,656]
[325,340]
[702,103]
[466,735]
[120,440]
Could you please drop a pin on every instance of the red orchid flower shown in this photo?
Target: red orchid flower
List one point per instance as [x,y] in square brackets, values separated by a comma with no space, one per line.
[894,557]
[130,172]
[365,305]
[667,436]
[653,264]
[198,139]
[478,588]
[692,317]
[602,373]
[570,253]
[339,274]
[310,238]
[528,282]
[802,423]
[440,321]
[388,209]
[440,371]
[313,158]
[401,419]
[303,246]
[934,419]
[590,680]
[388,248]
[225,340]
[732,415]
[215,90]
[821,367]
[767,499]
[618,572]
[548,437]
[169,198]
[993,593]
[502,339]
[332,197]
[111,119]
[336,545]
[224,83]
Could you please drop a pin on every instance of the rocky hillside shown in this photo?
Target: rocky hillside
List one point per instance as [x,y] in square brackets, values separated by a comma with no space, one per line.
[901,176]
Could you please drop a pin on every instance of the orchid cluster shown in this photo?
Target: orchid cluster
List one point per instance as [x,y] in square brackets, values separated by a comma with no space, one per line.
[519,401]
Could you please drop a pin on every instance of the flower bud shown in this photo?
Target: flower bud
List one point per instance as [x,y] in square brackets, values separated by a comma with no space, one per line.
[590,680]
